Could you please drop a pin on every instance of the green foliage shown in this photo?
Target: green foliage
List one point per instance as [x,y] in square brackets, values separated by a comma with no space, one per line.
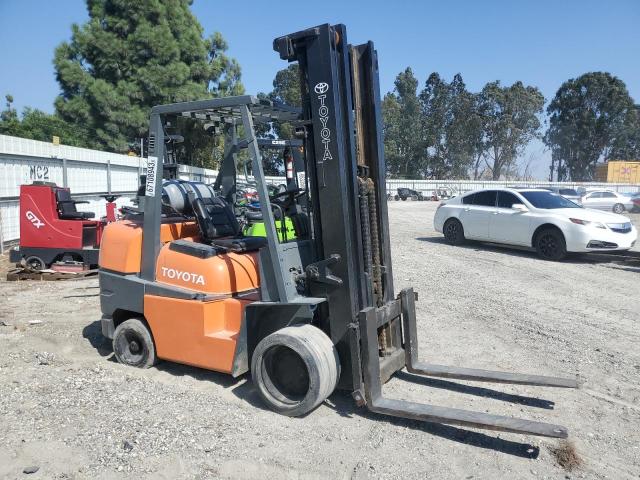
[446,131]
[626,142]
[131,56]
[286,86]
[286,89]
[452,130]
[591,117]
[403,128]
[510,123]
[38,125]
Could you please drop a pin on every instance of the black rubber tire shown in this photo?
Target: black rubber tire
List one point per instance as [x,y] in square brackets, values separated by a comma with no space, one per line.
[453,232]
[35,263]
[295,369]
[550,245]
[133,344]
[396,198]
[618,208]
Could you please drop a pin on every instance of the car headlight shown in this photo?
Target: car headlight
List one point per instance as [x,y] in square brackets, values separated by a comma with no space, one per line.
[578,221]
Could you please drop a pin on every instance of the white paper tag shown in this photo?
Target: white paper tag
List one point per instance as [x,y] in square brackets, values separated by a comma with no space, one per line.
[302,179]
[152,167]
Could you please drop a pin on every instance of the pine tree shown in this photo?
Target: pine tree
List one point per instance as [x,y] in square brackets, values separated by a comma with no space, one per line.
[131,56]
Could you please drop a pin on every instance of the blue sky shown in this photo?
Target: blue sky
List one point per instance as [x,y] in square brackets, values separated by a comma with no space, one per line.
[540,42]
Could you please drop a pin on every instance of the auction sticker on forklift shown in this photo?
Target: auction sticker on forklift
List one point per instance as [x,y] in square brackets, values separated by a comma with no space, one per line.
[302,180]
[152,166]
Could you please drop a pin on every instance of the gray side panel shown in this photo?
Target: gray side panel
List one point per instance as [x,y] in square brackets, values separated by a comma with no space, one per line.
[119,291]
[126,292]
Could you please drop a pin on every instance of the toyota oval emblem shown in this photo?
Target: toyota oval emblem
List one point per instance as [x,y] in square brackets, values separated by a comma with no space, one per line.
[321,87]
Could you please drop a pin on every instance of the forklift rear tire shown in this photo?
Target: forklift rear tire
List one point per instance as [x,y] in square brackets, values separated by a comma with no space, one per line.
[133,344]
[295,369]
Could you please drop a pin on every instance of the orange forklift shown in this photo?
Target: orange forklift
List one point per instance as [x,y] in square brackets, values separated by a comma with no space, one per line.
[305,316]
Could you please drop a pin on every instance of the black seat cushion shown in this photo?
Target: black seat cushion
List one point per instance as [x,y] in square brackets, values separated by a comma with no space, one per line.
[67,206]
[76,215]
[215,218]
[220,228]
[223,218]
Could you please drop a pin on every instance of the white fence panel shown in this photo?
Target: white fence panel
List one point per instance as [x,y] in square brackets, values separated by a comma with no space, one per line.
[87,177]
[16,170]
[124,179]
[9,220]
[197,174]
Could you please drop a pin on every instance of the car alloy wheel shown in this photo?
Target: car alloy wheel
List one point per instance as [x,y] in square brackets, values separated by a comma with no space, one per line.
[618,208]
[453,232]
[550,245]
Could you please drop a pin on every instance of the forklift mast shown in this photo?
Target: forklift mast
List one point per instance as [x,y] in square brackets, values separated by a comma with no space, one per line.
[346,173]
[373,330]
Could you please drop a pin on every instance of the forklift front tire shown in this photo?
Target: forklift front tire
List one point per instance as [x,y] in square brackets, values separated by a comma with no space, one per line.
[133,344]
[295,369]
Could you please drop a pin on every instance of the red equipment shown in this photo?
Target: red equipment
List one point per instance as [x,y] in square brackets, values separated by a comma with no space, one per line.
[111,207]
[288,161]
[53,230]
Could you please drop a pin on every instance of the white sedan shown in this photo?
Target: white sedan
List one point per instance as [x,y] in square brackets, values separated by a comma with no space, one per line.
[533,218]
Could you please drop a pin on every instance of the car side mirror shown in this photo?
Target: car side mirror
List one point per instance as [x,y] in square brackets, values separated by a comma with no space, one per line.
[519,207]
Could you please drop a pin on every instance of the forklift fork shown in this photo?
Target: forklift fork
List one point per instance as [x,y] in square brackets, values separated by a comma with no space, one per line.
[369,323]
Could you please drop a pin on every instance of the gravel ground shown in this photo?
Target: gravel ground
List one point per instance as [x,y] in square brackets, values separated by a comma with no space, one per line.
[70,410]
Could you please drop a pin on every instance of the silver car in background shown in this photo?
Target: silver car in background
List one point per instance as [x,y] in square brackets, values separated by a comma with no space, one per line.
[607,200]
[568,193]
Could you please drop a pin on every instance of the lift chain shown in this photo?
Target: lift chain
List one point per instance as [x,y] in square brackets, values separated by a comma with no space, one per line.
[375,242]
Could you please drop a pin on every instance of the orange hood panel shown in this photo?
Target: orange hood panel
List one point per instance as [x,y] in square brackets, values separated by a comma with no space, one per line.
[223,274]
[121,246]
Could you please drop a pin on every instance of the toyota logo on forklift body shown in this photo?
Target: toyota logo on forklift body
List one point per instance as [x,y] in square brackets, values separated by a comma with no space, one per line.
[321,87]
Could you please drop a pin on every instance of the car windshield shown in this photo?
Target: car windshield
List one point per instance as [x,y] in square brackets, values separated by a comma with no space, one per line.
[548,200]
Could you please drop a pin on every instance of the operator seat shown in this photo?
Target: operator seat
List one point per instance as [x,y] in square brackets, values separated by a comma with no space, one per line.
[220,228]
[67,207]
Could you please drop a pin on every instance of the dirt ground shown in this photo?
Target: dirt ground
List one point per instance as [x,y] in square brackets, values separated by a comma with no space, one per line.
[69,409]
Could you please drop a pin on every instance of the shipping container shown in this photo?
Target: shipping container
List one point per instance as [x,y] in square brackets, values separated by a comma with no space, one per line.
[618,171]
